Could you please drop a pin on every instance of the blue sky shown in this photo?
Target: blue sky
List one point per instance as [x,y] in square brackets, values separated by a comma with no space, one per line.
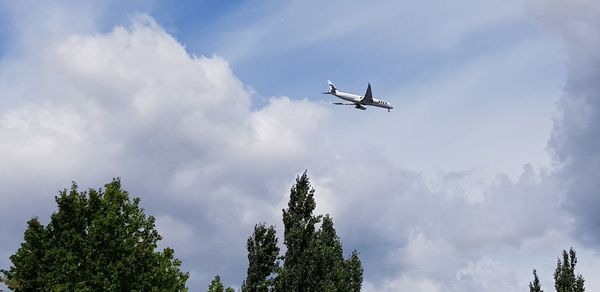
[208,110]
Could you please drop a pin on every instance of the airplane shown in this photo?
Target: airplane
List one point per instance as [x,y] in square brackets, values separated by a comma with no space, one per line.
[359,102]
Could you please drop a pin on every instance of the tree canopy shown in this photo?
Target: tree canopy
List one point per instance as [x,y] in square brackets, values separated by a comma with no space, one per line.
[565,279]
[262,258]
[99,240]
[217,286]
[313,259]
[535,285]
[564,275]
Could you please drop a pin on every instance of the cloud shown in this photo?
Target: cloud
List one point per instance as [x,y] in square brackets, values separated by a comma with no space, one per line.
[405,229]
[575,140]
[417,26]
[175,233]
[179,130]
[210,161]
[499,86]
[403,283]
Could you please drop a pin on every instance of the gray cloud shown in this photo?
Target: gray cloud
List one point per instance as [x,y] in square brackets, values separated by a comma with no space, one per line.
[405,229]
[184,134]
[575,141]
[178,129]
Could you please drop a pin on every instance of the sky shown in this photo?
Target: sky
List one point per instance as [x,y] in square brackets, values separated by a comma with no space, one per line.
[208,110]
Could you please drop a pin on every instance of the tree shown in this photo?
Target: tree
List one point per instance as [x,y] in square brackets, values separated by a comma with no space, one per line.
[535,286]
[29,260]
[328,272]
[564,275]
[217,286]
[354,272]
[262,259]
[299,228]
[314,259]
[97,240]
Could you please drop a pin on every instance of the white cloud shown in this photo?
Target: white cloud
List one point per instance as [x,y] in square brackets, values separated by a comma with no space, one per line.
[575,140]
[400,26]
[176,234]
[403,283]
[486,114]
[441,236]
[178,128]
[182,132]
[425,255]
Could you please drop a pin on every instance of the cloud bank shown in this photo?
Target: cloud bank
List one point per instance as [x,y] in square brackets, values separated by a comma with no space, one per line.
[190,138]
[575,139]
[178,128]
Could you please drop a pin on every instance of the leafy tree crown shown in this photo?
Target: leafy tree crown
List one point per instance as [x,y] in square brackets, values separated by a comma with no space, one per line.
[97,240]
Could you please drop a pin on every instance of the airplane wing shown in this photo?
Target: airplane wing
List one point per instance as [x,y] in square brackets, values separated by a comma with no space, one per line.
[368,95]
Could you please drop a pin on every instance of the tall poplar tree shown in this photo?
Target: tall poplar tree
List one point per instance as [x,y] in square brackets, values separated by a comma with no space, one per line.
[535,285]
[314,258]
[217,286]
[262,259]
[564,275]
[354,272]
[329,270]
[299,231]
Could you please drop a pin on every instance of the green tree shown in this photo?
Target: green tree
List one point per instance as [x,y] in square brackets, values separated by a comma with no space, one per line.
[216,285]
[262,259]
[29,260]
[564,275]
[354,273]
[99,240]
[328,272]
[299,230]
[535,286]
[313,260]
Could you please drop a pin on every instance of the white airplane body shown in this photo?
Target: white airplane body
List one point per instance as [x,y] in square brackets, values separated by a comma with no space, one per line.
[358,101]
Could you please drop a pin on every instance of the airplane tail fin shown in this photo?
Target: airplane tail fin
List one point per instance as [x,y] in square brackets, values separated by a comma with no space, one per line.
[332,88]
[368,95]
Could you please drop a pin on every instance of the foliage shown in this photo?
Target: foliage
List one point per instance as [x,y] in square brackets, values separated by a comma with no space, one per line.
[564,275]
[313,259]
[354,272]
[262,258]
[99,240]
[328,267]
[299,232]
[535,286]
[217,286]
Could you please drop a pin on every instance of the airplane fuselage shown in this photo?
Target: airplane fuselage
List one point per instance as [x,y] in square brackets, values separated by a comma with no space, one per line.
[359,100]
[348,96]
